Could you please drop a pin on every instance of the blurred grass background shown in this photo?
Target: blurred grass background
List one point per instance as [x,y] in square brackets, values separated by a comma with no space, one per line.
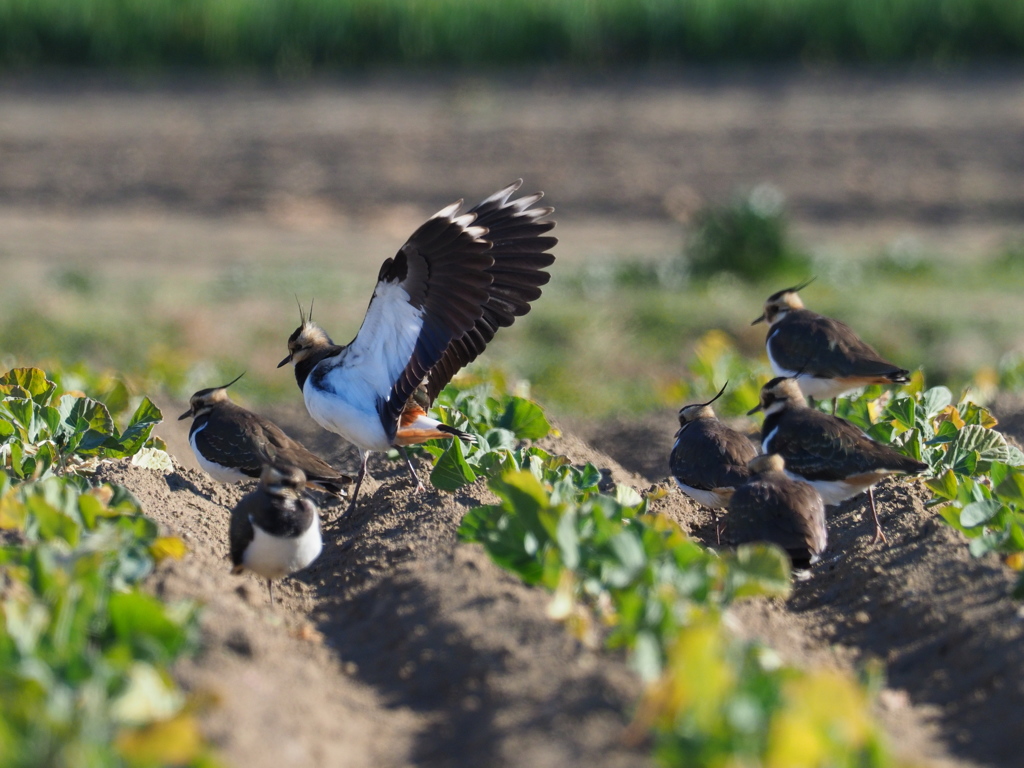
[295,36]
[624,331]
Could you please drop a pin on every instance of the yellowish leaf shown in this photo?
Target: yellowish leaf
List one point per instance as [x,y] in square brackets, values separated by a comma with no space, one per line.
[1015,561]
[168,546]
[169,742]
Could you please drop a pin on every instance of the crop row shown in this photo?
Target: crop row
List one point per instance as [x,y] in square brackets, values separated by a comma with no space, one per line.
[633,580]
[298,35]
[84,652]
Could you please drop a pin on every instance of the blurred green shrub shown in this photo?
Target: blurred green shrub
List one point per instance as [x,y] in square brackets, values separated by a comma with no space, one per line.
[748,237]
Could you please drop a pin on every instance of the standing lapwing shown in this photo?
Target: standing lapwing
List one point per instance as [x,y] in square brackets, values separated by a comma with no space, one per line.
[232,444]
[709,459]
[773,507]
[437,303]
[830,453]
[275,529]
[825,356]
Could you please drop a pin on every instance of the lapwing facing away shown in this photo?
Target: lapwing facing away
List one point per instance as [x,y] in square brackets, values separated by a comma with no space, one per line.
[275,529]
[824,355]
[709,459]
[232,444]
[830,453]
[457,280]
[772,507]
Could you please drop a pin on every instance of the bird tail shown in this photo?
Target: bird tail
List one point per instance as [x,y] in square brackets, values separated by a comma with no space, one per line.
[417,427]
[899,376]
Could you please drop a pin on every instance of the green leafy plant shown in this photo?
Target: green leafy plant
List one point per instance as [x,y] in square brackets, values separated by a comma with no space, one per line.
[748,238]
[43,430]
[498,420]
[84,653]
[975,472]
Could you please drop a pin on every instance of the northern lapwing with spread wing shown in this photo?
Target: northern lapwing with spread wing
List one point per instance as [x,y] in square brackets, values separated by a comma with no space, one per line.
[233,444]
[772,507]
[709,459]
[457,280]
[824,355]
[828,452]
[275,529]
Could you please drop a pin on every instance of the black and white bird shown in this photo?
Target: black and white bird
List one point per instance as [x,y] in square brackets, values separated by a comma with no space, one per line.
[824,355]
[275,529]
[829,453]
[457,280]
[233,444]
[709,459]
[773,507]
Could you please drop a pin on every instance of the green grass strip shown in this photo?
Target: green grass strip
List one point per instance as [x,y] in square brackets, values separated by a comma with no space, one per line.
[299,35]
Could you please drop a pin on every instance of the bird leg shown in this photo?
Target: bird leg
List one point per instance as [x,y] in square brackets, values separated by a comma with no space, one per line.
[419,487]
[270,590]
[718,527]
[364,456]
[834,401]
[879,534]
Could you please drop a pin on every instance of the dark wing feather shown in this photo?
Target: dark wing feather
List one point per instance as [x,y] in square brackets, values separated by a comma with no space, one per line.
[807,342]
[775,509]
[240,532]
[518,244]
[443,270]
[709,455]
[272,443]
[817,446]
[228,441]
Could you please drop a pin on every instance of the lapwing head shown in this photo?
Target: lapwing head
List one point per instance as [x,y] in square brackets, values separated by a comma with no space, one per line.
[777,394]
[282,480]
[205,400]
[766,462]
[306,339]
[689,413]
[780,303]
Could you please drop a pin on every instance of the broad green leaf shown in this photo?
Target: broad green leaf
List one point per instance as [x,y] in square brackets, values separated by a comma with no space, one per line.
[979,512]
[451,471]
[647,657]
[757,570]
[934,400]
[49,523]
[902,413]
[944,486]
[142,622]
[140,426]
[568,539]
[524,419]
[31,382]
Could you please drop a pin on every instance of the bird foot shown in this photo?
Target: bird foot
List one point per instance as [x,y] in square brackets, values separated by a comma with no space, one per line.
[879,536]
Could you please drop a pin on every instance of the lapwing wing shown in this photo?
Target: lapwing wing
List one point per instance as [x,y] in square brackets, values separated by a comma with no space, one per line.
[232,444]
[709,459]
[457,280]
[824,355]
[275,529]
[830,453]
[773,507]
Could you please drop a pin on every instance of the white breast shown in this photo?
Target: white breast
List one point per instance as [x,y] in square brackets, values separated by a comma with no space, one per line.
[711,499]
[218,472]
[273,558]
[347,407]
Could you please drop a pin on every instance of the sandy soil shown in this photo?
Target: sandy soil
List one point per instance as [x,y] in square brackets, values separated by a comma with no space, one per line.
[401,647]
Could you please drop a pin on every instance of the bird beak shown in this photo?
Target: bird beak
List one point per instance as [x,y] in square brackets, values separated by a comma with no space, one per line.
[759,320]
[185,415]
[754,410]
[285,361]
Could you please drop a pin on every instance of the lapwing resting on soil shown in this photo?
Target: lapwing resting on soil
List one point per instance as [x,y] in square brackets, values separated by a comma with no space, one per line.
[437,303]
[824,355]
[232,444]
[830,453]
[708,459]
[772,507]
[275,530]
